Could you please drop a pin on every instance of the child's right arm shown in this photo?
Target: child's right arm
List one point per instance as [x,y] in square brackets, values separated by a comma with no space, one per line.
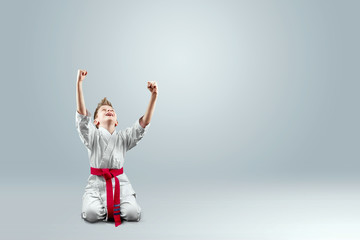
[83,117]
[79,92]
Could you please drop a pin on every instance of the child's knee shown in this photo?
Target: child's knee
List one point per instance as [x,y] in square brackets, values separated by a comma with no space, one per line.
[90,216]
[93,214]
[131,213]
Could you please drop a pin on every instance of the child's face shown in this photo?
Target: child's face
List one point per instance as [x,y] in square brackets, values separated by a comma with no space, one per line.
[106,114]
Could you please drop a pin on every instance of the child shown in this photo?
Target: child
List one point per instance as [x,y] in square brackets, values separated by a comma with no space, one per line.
[109,194]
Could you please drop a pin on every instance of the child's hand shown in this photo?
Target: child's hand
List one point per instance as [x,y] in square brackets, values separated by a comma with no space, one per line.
[152,86]
[81,75]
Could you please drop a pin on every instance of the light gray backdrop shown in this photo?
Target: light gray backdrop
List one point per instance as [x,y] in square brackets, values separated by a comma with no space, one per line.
[255,134]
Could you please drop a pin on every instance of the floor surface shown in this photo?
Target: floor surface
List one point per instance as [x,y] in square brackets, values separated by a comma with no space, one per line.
[243,211]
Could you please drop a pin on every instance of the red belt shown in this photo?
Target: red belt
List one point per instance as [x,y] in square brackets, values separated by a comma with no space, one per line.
[113,204]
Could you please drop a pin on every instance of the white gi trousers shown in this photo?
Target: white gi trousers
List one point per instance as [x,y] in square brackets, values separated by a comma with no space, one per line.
[94,209]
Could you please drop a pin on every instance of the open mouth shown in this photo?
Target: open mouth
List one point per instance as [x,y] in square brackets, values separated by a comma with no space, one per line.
[109,114]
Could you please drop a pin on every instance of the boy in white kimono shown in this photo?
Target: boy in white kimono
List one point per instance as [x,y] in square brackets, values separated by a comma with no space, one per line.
[106,149]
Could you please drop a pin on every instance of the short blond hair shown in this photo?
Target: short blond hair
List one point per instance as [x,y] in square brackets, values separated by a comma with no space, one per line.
[103,101]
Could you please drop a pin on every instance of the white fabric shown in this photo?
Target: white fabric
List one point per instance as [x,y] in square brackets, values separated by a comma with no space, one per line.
[106,150]
[95,210]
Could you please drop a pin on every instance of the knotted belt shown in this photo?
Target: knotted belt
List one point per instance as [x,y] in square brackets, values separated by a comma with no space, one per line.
[113,203]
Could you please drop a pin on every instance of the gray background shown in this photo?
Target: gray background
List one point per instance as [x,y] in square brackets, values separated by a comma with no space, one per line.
[255,133]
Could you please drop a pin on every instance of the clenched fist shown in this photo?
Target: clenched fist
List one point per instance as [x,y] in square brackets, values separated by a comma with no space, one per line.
[81,75]
[152,86]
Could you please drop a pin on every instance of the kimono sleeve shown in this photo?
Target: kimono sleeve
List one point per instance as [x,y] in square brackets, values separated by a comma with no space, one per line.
[134,134]
[85,128]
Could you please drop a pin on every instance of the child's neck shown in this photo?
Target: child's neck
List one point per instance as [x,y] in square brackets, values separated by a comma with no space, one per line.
[110,128]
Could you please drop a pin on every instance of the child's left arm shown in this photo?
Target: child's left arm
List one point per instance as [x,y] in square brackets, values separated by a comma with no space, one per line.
[145,119]
[132,135]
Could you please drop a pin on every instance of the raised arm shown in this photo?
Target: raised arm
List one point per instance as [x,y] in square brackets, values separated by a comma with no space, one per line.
[146,118]
[82,116]
[81,108]
[132,135]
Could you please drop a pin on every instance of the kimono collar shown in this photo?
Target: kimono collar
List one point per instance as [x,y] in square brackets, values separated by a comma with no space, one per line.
[106,133]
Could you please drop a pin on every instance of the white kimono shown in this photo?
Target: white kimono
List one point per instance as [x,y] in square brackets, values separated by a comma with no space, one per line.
[107,150]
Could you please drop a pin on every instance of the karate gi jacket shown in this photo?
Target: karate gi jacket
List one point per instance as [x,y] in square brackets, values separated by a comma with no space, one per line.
[107,150]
